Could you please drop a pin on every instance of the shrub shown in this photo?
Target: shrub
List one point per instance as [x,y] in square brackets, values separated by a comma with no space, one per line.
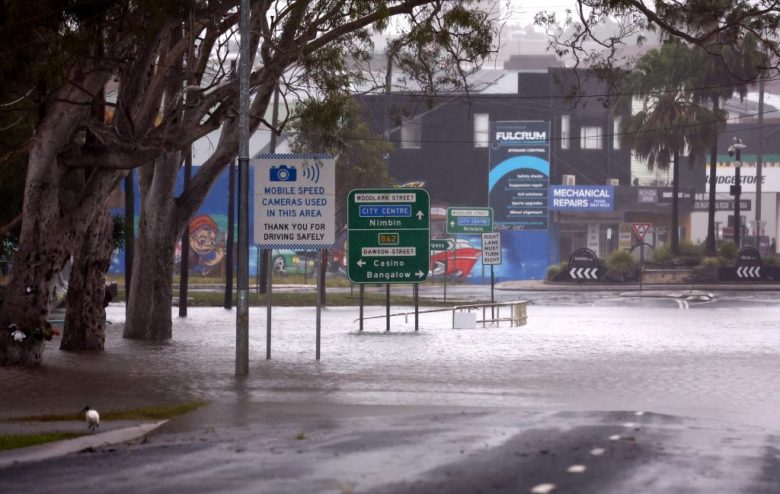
[706,270]
[662,255]
[690,254]
[557,272]
[727,250]
[621,266]
[770,261]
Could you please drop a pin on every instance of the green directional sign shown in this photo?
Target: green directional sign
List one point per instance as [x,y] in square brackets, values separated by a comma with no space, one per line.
[469,220]
[388,233]
[442,244]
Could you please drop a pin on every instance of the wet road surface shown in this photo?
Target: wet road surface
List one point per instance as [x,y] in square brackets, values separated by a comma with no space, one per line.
[439,410]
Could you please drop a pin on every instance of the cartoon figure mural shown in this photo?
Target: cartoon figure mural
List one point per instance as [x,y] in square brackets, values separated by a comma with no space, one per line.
[207,248]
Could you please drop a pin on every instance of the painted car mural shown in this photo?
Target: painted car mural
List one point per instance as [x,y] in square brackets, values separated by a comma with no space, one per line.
[285,261]
[456,262]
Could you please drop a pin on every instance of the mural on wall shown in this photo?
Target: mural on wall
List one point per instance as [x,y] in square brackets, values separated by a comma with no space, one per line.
[207,245]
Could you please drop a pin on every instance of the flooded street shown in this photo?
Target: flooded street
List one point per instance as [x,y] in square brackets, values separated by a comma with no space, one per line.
[718,363]
[637,398]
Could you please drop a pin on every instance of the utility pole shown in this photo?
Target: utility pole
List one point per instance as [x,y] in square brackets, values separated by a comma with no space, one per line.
[759,159]
[242,312]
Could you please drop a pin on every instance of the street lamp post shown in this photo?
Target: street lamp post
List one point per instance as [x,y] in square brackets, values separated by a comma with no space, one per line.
[735,150]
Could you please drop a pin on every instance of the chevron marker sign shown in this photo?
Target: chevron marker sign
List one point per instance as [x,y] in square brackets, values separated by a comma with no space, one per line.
[749,272]
[584,265]
[584,273]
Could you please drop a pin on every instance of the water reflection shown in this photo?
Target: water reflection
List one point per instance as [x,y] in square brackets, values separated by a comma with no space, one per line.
[716,363]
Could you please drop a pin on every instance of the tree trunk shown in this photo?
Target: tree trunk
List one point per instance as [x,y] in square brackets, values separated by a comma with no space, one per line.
[85,316]
[711,244]
[44,245]
[149,307]
[675,205]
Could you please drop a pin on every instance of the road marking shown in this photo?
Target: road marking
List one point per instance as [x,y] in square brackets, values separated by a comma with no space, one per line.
[597,451]
[614,437]
[682,304]
[639,414]
[543,489]
[577,468]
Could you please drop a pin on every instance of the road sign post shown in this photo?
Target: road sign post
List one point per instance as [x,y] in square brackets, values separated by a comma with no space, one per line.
[443,245]
[388,235]
[295,209]
[640,230]
[469,220]
[491,255]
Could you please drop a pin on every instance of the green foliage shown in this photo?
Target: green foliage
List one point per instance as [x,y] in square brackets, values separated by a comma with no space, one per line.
[671,121]
[770,261]
[117,232]
[690,254]
[145,413]
[662,255]
[728,250]
[706,270]
[621,266]
[554,271]
[338,126]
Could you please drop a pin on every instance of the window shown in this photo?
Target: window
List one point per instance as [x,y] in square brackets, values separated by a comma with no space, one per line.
[481,130]
[590,138]
[616,132]
[565,131]
[411,133]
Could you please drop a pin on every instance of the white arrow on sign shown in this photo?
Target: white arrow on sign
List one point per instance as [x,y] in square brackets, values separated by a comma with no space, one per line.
[419,274]
[361,263]
[749,271]
[420,215]
[584,273]
[452,223]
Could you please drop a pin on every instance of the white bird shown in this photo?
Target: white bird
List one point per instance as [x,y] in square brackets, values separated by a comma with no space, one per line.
[92,417]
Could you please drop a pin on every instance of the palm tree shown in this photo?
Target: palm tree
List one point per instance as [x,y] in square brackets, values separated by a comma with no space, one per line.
[731,66]
[671,122]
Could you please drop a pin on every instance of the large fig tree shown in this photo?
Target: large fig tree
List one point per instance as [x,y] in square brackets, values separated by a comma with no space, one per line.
[165,67]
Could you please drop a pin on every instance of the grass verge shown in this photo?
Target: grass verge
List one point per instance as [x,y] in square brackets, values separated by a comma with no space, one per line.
[14,441]
[298,299]
[146,413]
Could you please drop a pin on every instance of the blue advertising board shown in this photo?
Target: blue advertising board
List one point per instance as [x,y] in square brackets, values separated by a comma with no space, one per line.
[520,175]
[582,198]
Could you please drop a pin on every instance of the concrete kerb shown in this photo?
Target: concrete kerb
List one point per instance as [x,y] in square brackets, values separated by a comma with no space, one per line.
[66,447]
[543,286]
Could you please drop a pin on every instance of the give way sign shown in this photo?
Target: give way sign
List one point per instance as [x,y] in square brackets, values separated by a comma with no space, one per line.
[641,229]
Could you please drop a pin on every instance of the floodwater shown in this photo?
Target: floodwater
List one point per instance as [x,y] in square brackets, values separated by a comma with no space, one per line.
[716,363]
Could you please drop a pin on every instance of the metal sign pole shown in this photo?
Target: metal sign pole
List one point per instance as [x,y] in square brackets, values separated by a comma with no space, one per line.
[268,310]
[416,307]
[362,292]
[319,304]
[387,303]
[242,312]
[455,256]
[641,263]
[446,267]
[492,286]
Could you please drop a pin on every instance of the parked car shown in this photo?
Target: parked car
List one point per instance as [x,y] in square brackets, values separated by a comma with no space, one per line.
[457,262]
